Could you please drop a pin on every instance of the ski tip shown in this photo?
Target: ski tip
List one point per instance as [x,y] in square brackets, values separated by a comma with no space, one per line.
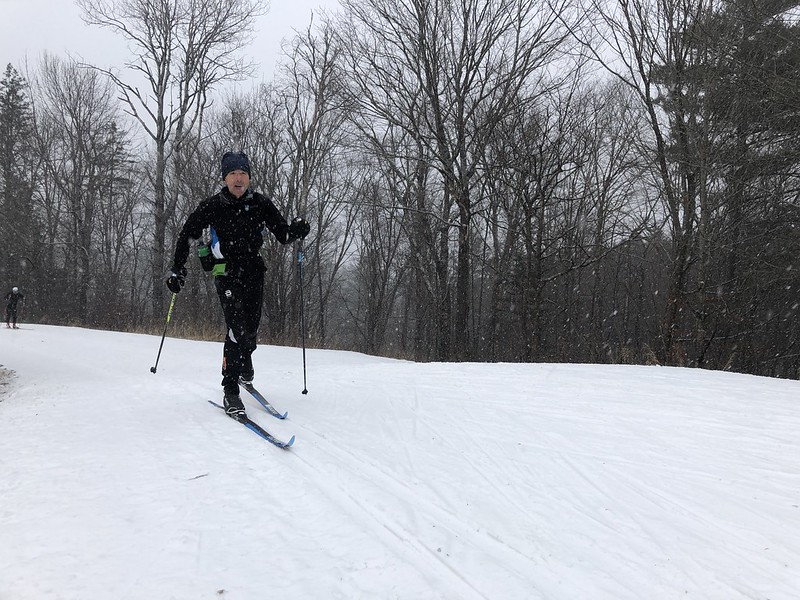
[284,415]
[290,442]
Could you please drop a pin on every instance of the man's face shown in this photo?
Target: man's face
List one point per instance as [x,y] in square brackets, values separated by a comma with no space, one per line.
[237,181]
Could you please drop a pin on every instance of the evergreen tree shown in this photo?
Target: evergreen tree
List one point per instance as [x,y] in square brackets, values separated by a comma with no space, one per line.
[730,99]
[753,100]
[17,227]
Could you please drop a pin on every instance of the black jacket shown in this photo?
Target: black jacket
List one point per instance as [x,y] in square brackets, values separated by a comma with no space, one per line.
[12,299]
[239,224]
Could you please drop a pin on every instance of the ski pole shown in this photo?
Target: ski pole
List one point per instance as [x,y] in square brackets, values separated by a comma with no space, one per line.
[302,311]
[163,335]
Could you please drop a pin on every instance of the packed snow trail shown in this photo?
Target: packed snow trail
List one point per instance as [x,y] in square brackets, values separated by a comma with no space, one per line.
[411,481]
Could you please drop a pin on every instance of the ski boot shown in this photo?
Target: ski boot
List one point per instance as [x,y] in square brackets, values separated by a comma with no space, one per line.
[234,407]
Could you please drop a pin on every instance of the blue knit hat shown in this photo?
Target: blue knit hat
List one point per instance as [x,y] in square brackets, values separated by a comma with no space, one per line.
[231,161]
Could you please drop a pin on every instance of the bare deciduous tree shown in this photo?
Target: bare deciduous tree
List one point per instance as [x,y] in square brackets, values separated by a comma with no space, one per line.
[78,106]
[182,50]
[452,72]
[318,180]
[651,46]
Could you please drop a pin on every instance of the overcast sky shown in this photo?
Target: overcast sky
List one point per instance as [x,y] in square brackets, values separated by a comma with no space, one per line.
[28,27]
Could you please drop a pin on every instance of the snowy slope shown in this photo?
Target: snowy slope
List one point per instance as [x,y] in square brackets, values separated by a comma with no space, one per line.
[412,481]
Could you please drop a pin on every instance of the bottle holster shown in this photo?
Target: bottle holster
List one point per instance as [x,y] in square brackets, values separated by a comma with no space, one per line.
[211,263]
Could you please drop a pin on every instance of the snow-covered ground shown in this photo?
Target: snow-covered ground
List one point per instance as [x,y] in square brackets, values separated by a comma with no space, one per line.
[412,481]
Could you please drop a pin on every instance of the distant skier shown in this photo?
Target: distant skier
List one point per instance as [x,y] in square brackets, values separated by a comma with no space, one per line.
[237,218]
[13,298]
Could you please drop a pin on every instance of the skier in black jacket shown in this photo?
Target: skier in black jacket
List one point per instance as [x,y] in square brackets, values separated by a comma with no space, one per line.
[12,299]
[236,217]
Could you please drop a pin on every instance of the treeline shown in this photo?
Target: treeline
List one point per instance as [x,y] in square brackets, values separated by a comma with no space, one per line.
[490,180]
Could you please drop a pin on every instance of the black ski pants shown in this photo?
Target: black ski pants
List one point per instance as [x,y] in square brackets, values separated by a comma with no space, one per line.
[241,294]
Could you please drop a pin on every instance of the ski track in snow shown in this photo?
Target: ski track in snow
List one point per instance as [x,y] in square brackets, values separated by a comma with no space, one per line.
[411,481]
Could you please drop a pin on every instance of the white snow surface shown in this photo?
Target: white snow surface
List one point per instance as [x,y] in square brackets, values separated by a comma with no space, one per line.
[413,481]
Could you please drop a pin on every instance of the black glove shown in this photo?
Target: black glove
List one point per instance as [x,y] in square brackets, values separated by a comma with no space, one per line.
[176,279]
[299,229]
